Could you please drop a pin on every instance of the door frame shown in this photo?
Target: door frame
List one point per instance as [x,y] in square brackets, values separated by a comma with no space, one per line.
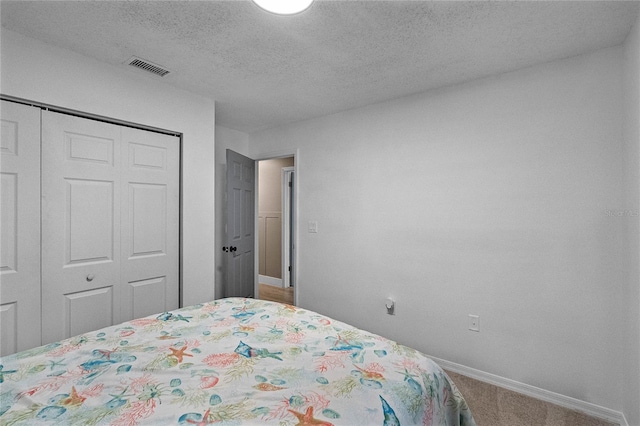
[288,224]
[295,153]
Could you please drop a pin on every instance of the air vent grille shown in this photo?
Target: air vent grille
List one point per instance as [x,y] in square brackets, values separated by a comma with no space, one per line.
[148,66]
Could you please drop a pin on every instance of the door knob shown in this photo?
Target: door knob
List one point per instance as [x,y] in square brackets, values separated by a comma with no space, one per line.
[232,249]
[90,277]
[225,249]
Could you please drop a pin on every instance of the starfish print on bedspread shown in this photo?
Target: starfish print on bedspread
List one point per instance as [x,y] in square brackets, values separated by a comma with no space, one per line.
[307,418]
[179,353]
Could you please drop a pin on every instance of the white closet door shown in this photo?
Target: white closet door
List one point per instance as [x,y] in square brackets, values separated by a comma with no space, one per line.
[81,195]
[110,224]
[150,211]
[20,229]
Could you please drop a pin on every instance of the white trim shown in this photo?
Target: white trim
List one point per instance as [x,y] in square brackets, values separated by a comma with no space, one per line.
[285,179]
[265,279]
[256,227]
[535,392]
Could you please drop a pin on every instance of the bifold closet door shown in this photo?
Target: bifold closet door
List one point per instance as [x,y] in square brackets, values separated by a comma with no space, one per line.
[95,209]
[80,225]
[150,223]
[20,230]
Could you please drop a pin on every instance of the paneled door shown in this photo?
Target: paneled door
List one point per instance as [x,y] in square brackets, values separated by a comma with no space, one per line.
[240,238]
[150,210]
[20,229]
[81,195]
[109,224]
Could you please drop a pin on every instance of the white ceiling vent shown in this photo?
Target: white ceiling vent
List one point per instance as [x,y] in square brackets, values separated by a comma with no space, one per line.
[147,66]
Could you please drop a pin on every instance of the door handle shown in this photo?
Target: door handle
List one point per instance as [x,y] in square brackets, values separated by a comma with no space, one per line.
[232,249]
[225,249]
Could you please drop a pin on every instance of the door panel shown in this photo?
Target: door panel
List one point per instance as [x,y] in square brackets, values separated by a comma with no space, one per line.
[240,238]
[273,246]
[81,196]
[88,310]
[9,327]
[147,157]
[146,295]
[150,223]
[88,149]
[89,211]
[9,254]
[20,228]
[148,220]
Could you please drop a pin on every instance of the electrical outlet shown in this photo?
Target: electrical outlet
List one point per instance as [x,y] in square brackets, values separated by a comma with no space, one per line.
[474,322]
[390,304]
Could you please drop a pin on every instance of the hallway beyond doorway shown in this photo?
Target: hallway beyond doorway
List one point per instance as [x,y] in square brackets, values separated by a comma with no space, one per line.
[275,294]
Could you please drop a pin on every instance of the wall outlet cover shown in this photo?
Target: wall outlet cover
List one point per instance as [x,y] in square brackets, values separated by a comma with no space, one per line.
[474,322]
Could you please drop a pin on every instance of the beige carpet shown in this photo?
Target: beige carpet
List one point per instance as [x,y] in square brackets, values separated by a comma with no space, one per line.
[495,406]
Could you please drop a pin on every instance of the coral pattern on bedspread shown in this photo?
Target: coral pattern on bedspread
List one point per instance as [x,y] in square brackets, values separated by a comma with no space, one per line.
[228,362]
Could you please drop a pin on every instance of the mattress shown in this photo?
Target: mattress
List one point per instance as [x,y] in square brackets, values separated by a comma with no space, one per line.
[231,361]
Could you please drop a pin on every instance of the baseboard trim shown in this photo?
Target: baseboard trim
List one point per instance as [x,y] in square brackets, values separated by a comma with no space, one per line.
[265,279]
[535,392]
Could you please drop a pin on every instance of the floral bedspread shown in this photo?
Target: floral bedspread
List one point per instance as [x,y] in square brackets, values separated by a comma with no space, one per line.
[230,362]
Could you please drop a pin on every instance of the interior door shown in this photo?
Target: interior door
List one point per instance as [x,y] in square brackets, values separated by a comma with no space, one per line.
[110,218]
[81,193]
[20,229]
[150,219]
[240,235]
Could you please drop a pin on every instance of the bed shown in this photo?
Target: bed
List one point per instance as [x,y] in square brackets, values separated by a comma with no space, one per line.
[231,361]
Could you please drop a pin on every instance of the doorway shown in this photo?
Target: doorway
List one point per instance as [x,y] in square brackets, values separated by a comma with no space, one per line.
[276,250]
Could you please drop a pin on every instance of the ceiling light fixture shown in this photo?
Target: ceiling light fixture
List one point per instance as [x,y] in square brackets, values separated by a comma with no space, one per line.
[284,7]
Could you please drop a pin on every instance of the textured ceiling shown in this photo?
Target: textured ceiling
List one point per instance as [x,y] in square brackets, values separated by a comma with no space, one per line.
[264,70]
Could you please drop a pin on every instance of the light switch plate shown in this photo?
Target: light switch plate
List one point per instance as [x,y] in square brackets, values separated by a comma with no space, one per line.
[313,227]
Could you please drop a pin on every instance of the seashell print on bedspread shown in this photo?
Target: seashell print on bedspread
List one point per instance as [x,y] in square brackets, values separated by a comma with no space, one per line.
[230,362]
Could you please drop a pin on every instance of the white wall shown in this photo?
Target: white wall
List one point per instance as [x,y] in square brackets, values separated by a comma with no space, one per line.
[238,142]
[632,218]
[43,73]
[492,198]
